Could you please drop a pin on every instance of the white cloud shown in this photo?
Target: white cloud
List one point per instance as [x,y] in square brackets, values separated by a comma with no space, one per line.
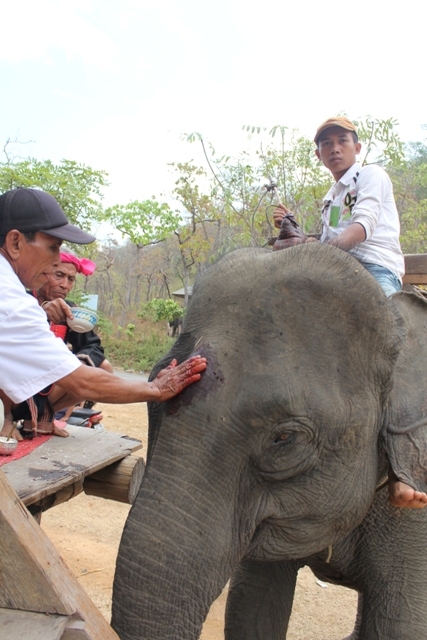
[122,80]
[39,30]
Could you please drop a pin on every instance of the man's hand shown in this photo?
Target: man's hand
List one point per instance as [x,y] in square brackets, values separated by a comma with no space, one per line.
[176,377]
[9,430]
[57,311]
[353,235]
[278,214]
[290,233]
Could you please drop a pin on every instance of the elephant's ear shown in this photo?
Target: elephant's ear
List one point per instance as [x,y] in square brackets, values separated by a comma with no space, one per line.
[406,428]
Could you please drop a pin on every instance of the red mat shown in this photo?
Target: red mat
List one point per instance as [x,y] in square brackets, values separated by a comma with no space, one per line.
[24,448]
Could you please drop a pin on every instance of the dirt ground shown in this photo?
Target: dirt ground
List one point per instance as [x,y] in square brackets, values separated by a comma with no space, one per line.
[87,531]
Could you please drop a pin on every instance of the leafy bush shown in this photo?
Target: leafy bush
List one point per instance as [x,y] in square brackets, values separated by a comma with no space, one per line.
[104,326]
[139,354]
[130,331]
[160,309]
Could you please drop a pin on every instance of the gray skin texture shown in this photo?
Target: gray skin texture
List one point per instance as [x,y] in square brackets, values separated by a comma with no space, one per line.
[272,460]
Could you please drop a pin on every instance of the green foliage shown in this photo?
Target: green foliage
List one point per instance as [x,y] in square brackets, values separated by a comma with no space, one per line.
[224,205]
[77,187]
[382,142]
[130,331]
[104,325]
[160,309]
[145,223]
[301,180]
[244,186]
[199,212]
[410,191]
[187,191]
[137,354]
[77,296]
[284,168]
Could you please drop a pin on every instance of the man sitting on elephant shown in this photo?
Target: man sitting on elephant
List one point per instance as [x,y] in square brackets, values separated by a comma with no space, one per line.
[359,215]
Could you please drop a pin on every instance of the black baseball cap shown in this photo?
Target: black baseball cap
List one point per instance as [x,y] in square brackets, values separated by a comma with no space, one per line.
[32,210]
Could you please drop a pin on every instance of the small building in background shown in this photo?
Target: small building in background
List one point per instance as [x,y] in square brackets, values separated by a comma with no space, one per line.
[179,294]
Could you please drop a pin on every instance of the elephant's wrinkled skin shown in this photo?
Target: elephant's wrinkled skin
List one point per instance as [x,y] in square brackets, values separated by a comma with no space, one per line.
[274,456]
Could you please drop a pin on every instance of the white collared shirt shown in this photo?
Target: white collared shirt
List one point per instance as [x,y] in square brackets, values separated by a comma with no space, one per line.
[31,357]
[365,195]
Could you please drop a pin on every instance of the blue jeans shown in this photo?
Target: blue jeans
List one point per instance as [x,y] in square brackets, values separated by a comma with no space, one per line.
[388,282]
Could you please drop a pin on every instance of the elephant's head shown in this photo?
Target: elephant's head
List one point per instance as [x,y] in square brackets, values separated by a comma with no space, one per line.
[274,453]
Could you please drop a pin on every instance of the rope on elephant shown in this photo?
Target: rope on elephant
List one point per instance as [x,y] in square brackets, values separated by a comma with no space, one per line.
[382,485]
[419,290]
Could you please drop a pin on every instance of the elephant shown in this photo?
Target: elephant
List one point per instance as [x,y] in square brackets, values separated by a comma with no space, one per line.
[278,457]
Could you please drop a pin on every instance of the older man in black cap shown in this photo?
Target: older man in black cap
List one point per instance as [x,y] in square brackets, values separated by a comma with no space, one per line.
[32,228]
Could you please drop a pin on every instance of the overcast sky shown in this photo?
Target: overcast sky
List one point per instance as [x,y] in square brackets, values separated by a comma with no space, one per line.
[115,84]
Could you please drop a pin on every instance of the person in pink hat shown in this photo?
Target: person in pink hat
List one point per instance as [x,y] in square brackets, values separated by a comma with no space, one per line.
[52,297]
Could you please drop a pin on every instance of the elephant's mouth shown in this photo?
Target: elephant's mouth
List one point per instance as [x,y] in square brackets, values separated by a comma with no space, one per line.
[289,538]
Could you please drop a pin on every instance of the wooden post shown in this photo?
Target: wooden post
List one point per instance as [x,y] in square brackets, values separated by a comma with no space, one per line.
[70,491]
[415,269]
[119,481]
[33,576]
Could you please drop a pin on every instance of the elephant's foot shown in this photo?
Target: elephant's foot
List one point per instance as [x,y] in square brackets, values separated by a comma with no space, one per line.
[356,630]
[402,495]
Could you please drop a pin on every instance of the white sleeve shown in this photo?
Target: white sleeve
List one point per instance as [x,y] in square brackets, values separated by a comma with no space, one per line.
[31,357]
[371,188]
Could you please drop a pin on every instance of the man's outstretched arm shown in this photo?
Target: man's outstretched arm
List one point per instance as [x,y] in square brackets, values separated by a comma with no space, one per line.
[101,386]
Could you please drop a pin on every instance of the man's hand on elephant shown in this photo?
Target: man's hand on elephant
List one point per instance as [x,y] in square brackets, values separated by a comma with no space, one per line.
[279,213]
[176,377]
[57,310]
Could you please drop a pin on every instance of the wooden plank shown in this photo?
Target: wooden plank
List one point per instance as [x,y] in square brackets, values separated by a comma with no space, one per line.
[60,462]
[63,495]
[75,630]
[416,263]
[415,278]
[33,576]
[20,625]
[119,481]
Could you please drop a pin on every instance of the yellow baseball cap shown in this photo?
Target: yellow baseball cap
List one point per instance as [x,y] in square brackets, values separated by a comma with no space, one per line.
[338,121]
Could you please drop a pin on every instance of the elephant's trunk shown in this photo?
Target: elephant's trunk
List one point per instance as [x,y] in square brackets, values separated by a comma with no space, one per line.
[177,552]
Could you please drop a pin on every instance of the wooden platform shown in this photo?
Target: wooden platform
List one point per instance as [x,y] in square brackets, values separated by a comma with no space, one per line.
[34,580]
[39,597]
[55,471]
[415,268]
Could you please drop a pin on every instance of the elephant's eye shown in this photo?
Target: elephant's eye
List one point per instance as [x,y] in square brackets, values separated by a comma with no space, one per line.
[285,437]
